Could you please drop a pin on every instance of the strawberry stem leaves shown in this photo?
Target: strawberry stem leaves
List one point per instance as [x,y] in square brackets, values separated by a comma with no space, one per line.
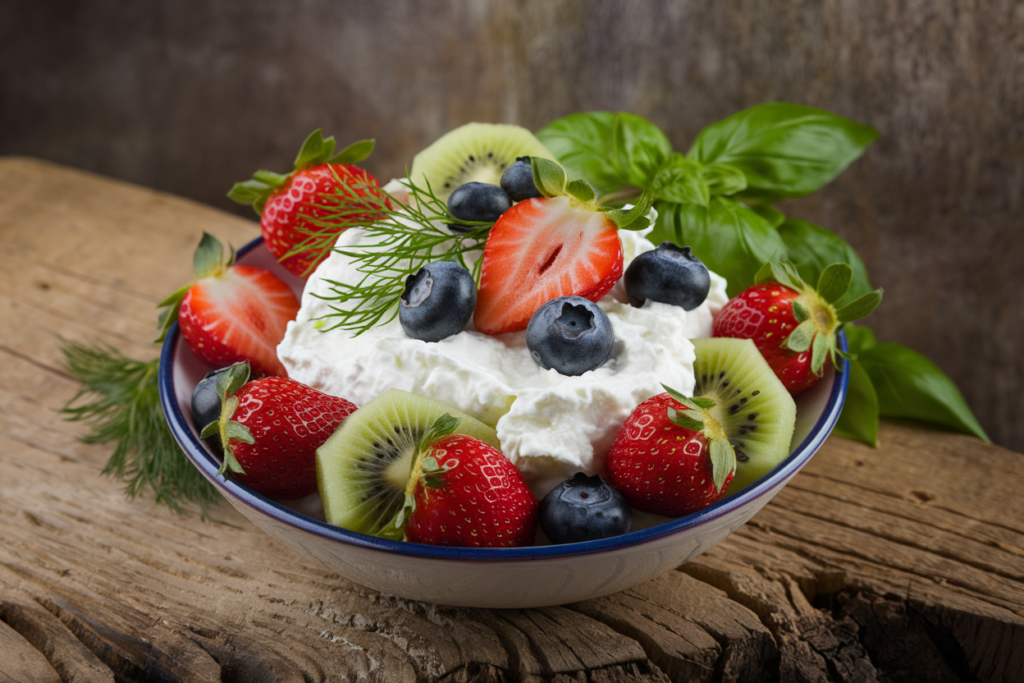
[206,262]
[581,191]
[634,218]
[316,150]
[354,153]
[723,461]
[208,257]
[442,427]
[549,177]
[800,339]
[834,282]
[697,419]
[228,384]
[683,418]
[800,313]
[860,308]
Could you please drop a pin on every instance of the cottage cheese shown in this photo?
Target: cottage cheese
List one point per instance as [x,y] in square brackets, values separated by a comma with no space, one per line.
[549,425]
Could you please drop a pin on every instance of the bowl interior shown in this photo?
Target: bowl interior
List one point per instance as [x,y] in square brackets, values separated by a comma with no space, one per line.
[817,412]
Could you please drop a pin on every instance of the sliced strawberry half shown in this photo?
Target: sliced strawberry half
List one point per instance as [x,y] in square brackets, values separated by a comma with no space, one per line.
[232,313]
[561,244]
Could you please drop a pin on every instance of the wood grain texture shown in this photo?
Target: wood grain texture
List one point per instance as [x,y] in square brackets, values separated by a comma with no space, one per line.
[189,96]
[899,564]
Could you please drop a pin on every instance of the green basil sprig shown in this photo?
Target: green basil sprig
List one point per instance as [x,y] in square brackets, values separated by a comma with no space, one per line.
[727,236]
[717,199]
[909,386]
[783,149]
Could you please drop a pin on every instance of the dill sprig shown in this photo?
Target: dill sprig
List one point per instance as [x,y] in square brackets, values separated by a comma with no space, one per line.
[399,241]
[125,410]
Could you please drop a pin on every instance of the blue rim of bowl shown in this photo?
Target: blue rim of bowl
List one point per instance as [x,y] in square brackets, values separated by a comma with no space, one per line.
[197,452]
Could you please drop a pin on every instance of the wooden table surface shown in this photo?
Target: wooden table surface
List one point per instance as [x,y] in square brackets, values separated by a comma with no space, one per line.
[898,563]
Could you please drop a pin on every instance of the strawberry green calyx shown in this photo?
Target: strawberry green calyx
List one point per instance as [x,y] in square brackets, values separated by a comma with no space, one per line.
[552,180]
[425,470]
[698,419]
[316,151]
[208,261]
[818,320]
[228,384]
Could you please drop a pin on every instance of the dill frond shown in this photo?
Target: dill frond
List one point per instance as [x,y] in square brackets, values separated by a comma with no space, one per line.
[125,410]
[399,241]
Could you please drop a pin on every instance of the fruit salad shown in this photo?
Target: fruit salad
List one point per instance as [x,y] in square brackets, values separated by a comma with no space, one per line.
[521,355]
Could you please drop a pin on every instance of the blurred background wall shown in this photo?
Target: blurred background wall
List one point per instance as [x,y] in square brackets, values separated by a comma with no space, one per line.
[187,96]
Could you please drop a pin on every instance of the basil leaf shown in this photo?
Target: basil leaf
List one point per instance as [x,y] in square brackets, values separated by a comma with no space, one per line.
[859,338]
[582,143]
[723,179]
[910,386]
[681,180]
[726,236]
[769,213]
[813,248]
[784,150]
[859,419]
[639,148]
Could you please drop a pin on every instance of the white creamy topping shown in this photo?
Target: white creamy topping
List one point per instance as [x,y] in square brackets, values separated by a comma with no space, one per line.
[549,425]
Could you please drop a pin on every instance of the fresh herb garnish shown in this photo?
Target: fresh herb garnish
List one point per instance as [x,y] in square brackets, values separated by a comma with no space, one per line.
[125,410]
[717,199]
[397,243]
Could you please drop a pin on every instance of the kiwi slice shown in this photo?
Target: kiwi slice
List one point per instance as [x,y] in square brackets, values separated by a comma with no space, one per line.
[755,409]
[363,468]
[475,152]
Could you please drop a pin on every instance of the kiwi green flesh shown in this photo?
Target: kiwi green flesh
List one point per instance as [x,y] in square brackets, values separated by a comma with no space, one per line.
[362,470]
[475,152]
[756,411]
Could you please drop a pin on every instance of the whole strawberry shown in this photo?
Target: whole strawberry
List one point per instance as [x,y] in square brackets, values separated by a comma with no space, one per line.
[231,313]
[561,244]
[793,325]
[271,428]
[671,457]
[302,212]
[463,492]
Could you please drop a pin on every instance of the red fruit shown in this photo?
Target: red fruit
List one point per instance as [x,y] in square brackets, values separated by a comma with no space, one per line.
[232,313]
[272,428]
[671,457]
[466,493]
[764,313]
[539,250]
[310,206]
[793,325]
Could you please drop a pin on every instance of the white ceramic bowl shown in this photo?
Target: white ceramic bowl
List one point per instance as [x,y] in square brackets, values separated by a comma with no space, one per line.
[488,577]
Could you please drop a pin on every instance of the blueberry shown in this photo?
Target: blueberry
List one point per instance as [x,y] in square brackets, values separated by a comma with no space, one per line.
[206,404]
[570,334]
[481,202]
[437,302]
[583,509]
[669,274]
[517,180]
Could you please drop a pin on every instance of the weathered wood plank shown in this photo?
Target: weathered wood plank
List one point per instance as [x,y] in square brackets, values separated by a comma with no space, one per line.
[871,565]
